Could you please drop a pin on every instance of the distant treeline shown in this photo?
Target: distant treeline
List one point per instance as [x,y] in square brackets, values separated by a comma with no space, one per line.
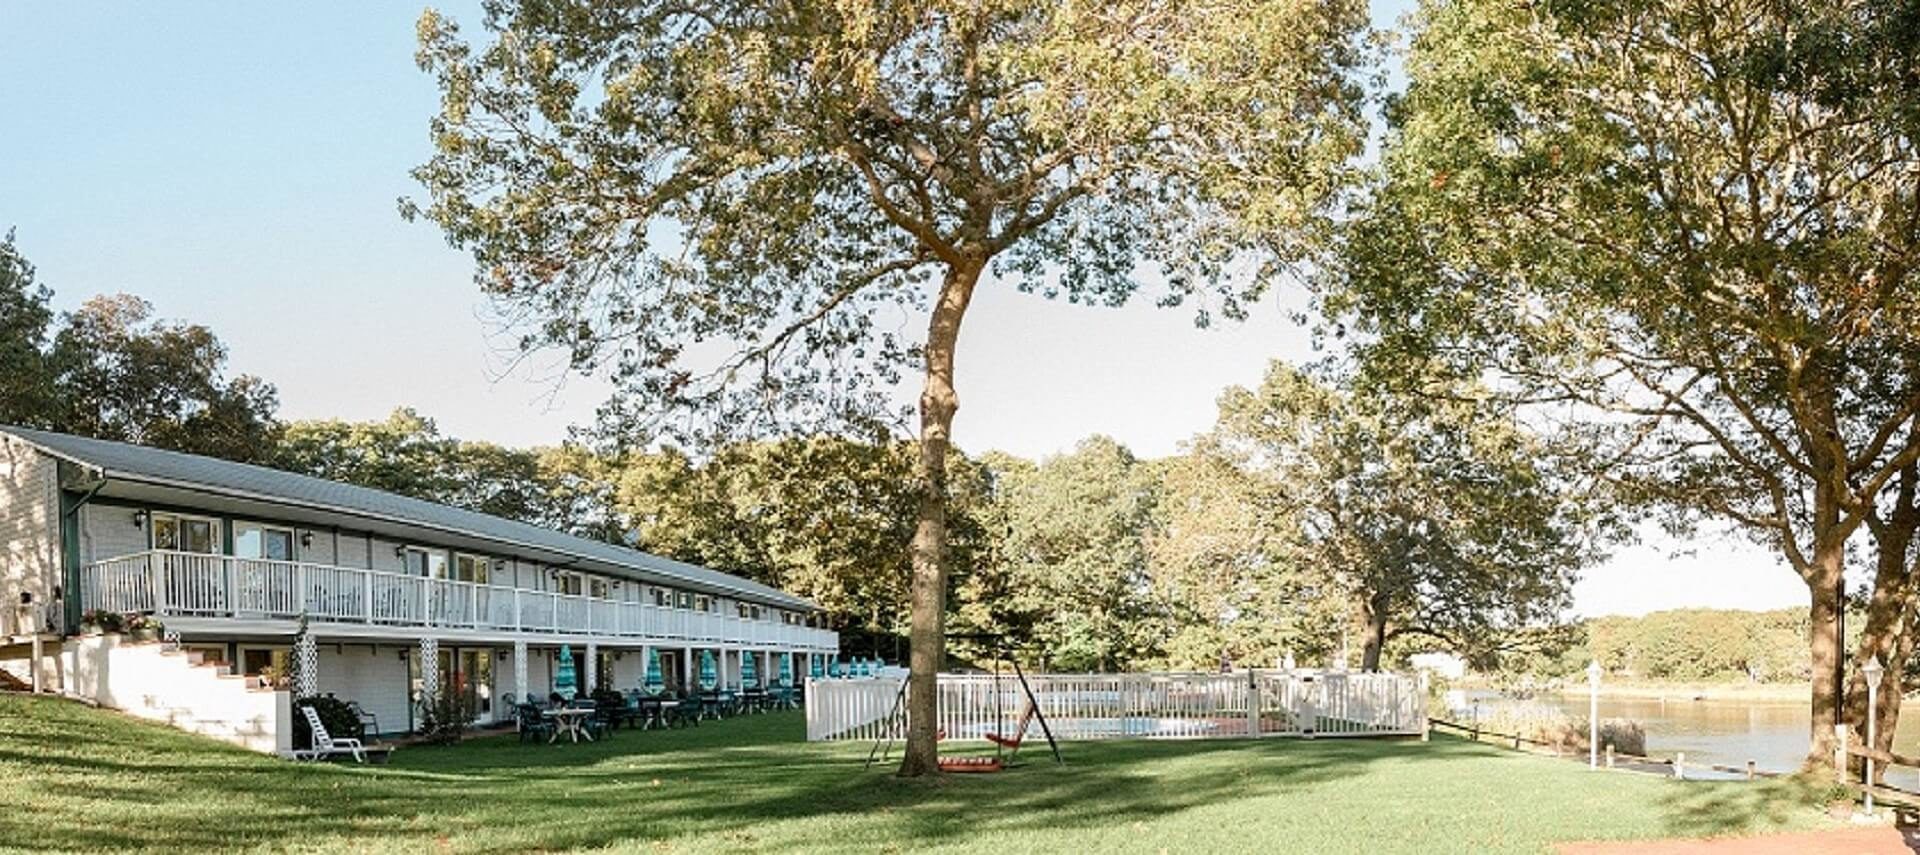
[1696,645]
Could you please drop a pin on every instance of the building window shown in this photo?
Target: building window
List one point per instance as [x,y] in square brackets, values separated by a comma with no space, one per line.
[251,540]
[186,534]
[431,563]
[472,568]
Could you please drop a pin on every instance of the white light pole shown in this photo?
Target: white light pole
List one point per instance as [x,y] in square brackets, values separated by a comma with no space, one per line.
[1872,671]
[1593,714]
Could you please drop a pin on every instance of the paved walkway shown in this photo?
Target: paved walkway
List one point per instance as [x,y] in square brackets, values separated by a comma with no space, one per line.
[1853,841]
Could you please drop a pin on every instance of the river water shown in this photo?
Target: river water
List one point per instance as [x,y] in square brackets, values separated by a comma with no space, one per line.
[1773,734]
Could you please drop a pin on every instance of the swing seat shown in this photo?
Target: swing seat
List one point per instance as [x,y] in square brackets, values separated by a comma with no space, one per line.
[966,765]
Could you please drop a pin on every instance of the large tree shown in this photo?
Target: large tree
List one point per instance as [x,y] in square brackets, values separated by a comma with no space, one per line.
[117,372]
[1689,230]
[731,206]
[25,398]
[1435,516]
[1072,556]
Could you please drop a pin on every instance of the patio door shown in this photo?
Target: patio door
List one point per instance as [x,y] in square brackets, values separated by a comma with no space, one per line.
[467,673]
[196,577]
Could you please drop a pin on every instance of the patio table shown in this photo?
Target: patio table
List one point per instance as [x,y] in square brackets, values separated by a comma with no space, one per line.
[571,722]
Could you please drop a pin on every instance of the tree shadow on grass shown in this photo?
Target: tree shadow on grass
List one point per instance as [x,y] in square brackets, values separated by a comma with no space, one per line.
[733,781]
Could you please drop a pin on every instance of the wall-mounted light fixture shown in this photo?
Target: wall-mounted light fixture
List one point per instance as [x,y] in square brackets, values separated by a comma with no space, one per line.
[139,519]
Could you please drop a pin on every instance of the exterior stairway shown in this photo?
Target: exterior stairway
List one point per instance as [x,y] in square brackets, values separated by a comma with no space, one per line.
[150,681]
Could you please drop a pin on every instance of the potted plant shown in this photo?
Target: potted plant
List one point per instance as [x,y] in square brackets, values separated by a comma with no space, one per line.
[100,622]
[143,627]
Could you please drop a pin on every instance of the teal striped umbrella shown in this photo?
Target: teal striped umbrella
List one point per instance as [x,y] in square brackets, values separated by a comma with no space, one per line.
[786,669]
[654,682]
[749,669]
[564,680]
[709,675]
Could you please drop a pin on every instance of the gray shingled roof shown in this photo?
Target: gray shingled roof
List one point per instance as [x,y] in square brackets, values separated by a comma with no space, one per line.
[241,480]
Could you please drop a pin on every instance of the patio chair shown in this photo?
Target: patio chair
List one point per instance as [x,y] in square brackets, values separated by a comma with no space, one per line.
[531,723]
[369,723]
[324,745]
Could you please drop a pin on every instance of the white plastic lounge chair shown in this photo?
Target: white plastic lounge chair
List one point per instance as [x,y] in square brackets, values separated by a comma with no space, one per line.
[324,745]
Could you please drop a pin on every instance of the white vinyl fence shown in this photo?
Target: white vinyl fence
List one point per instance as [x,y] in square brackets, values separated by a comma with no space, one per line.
[1136,706]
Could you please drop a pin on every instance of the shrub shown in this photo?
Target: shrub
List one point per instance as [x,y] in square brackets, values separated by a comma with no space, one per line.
[1559,731]
[101,620]
[446,719]
[338,718]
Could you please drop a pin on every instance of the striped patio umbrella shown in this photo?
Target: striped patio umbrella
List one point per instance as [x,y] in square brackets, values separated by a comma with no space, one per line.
[786,669]
[749,670]
[819,667]
[654,682]
[709,674]
[564,680]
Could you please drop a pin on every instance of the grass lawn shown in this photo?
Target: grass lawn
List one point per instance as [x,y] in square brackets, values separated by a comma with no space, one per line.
[76,778]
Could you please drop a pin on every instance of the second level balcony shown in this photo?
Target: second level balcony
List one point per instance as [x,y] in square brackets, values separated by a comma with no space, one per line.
[196,586]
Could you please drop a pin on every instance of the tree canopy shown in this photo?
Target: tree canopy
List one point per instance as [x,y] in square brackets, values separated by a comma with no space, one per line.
[1686,230]
[731,208]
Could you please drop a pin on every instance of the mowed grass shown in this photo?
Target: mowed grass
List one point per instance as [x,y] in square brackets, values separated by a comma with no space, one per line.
[73,778]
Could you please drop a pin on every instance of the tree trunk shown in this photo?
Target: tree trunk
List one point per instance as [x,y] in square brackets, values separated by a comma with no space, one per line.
[1823,580]
[1888,633]
[926,642]
[1373,612]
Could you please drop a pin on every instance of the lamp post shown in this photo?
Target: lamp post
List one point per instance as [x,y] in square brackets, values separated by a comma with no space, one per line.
[1872,671]
[1593,714]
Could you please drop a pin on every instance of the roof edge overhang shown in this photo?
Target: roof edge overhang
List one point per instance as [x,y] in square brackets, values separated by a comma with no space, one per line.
[662,574]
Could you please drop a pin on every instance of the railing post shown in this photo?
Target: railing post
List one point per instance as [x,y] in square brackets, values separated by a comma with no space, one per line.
[157,577]
[300,591]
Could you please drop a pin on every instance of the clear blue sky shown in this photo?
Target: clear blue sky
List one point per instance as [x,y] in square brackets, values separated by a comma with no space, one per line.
[239,167]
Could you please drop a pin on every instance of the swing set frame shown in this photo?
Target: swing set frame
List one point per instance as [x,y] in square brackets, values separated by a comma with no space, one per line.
[1004,748]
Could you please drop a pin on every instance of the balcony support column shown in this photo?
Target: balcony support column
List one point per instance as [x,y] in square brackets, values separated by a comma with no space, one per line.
[306,664]
[520,671]
[593,668]
[429,671]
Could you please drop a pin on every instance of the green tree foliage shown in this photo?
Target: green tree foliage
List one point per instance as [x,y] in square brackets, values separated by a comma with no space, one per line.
[562,488]
[1224,564]
[824,517]
[118,373]
[111,370]
[730,205]
[1073,556]
[25,394]
[1700,645]
[1689,227]
[1433,516]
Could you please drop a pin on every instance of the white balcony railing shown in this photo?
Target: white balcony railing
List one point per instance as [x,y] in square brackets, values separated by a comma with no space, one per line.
[182,584]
